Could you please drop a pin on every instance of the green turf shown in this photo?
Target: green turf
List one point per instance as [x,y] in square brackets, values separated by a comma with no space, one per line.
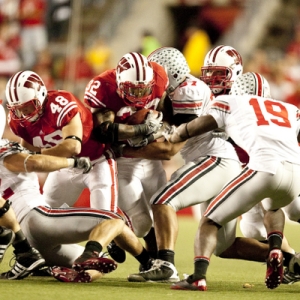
[225,279]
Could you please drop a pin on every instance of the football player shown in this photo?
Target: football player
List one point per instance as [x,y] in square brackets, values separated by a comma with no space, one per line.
[54,231]
[249,118]
[222,66]
[56,123]
[133,85]
[28,259]
[207,158]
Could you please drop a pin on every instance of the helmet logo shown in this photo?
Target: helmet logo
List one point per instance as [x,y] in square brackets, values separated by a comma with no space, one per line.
[235,55]
[123,65]
[33,81]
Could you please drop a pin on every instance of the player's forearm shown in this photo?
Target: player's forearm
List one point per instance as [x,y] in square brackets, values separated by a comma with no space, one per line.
[154,151]
[25,162]
[65,149]
[41,163]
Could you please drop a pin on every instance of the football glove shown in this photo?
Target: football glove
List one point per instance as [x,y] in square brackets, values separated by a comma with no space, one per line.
[153,122]
[141,141]
[179,134]
[83,163]
[220,134]
[117,149]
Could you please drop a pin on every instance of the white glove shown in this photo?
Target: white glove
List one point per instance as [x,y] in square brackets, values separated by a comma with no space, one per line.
[167,130]
[220,134]
[178,134]
[153,122]
[82,163]
[141,141]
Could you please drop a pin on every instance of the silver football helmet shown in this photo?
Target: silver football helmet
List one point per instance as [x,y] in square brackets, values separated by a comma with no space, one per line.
[175,64]
[251,83]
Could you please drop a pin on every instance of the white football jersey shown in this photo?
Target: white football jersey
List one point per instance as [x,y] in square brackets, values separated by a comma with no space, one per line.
[193,97]
[16,186]
[266,128]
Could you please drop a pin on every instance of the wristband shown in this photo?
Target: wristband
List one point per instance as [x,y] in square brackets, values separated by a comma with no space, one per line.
[71,162]
[140,129]
[186,131]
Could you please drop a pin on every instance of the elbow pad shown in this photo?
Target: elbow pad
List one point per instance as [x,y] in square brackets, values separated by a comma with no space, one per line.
[106,132]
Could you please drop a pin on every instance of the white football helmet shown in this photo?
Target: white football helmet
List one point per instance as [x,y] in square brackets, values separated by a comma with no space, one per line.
[251,83]
[222,66]
[135,79]
[2,120]
[175,64]
[23,89]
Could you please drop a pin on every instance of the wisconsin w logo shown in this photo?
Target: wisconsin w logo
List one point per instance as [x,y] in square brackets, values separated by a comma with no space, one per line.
[123,65]
[33,81]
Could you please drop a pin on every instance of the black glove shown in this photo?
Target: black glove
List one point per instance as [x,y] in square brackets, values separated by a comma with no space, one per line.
[117,149]
[83,163]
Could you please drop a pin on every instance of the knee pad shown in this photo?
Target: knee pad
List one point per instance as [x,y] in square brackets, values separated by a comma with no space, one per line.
[141,224]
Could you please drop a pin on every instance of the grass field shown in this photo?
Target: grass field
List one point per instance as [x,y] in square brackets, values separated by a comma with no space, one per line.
[225,279]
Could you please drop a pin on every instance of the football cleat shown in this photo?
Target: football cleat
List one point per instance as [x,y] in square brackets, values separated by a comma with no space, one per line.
[7,236]
[294,264]
[289,277]
[147,266]
[116,253]
[161,271]
[44,271]
[92,261]
[70,275]
[274,273]
[25,264]
[198,285]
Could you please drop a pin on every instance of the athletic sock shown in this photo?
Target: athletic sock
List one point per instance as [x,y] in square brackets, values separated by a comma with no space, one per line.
[201,264]
[167,255]
[93,246]
[275,240]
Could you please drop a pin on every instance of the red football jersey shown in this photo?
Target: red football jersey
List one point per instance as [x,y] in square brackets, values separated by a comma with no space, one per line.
[101,92]
[59,108]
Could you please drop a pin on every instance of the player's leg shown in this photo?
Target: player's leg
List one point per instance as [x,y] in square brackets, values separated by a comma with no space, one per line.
[63,187]
[27,258]
[189,185]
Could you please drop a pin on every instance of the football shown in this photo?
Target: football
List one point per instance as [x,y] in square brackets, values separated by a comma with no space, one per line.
[139,116]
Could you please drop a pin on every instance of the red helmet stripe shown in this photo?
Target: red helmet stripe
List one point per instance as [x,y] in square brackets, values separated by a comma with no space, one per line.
[215,51]
[136,65]
[143,66]
[258,84]
[140,67]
